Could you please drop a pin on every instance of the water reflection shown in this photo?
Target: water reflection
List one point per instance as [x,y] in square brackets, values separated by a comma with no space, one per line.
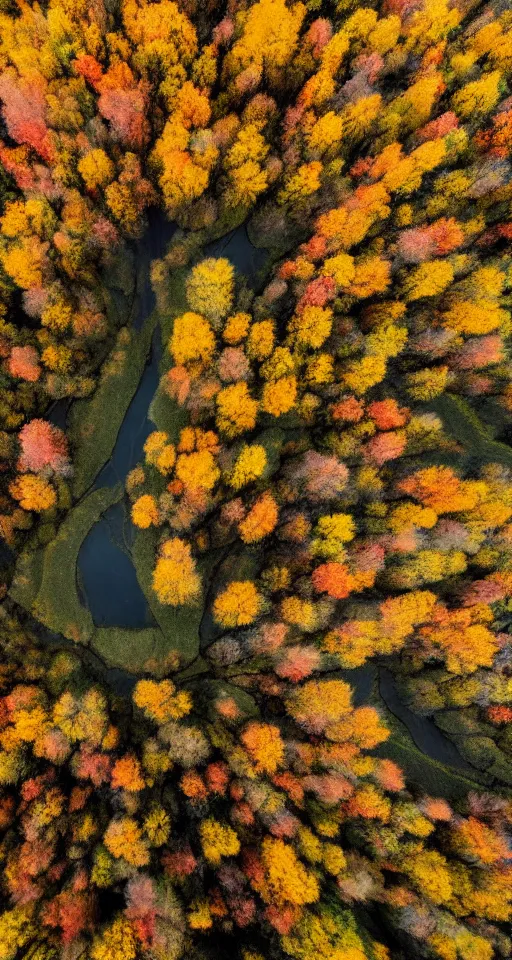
[107,578]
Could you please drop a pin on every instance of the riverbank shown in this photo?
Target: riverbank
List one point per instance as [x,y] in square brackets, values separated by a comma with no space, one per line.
[105,595]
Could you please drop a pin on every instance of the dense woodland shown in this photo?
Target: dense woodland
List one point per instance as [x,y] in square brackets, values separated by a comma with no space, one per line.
[328,485]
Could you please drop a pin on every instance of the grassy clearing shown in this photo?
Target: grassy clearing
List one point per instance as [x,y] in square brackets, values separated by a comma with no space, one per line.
[174,304]
[57,604]
[27,577]
[95,423]
[466,428]
[137,651]
[179,626]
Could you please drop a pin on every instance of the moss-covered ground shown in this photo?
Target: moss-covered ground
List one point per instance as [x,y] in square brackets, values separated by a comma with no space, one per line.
[137,651]
[461,423]
[27,577]
[95,423]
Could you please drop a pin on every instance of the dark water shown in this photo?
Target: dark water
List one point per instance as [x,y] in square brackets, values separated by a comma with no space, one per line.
[153,246]
[136,426]
[106,574]
[58,412]
[362,680]
[426,735]
[7,558]
[238,249]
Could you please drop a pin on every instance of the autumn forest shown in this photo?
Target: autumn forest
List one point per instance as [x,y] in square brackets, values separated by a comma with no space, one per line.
[255,480]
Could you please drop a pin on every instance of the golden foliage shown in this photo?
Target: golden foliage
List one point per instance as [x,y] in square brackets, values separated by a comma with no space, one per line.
[238,604]
[175,580]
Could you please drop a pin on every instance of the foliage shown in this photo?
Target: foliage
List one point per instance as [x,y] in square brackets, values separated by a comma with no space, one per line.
[327,486]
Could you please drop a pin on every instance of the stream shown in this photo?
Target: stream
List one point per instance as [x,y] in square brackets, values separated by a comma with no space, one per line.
[426,735]
[424,732]
[107,579]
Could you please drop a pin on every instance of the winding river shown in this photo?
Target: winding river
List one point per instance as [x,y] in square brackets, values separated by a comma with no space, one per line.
[106,574]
